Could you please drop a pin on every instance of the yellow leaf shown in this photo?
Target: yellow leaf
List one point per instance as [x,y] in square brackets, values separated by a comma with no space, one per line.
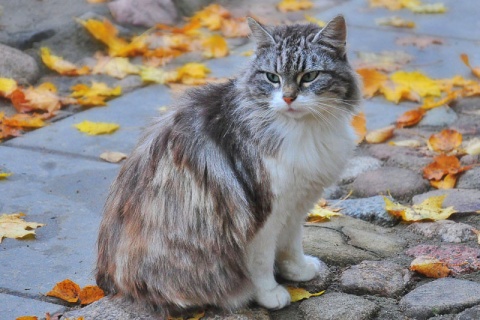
[473,146]
[158,75]
[116,67]
[215,46]
[247,53]
[373,81]
[66,290]
[5,175]
[96,128]
[465,59]
[13,226]
[428,8]
[294,5]
[321,212]
[318,22]
[448,182]
[430,103]
[113,156]
[298,294]
[61,66]
[406,143]
[396,22]
[430,267]
[392,5]
[380,135]
[24,120]
[95,94]
[211,17]
[430,209]
[359,124]
[417,82]
[7,86]
[192,73]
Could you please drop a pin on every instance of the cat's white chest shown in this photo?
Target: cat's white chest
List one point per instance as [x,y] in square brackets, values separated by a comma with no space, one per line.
[310,159]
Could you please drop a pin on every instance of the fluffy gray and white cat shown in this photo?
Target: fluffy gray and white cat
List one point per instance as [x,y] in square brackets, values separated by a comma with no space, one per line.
[213,198]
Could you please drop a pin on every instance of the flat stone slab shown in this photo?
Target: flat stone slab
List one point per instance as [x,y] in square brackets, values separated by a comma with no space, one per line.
[462,200]
[338,306]
[358,165]
[470,179]
[375,278]
[370,209]
[13,307]
[441,296]
[401,183]
[447,230]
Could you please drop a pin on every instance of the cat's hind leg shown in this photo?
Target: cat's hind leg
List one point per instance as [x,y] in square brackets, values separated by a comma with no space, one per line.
[261,260]
[292,263]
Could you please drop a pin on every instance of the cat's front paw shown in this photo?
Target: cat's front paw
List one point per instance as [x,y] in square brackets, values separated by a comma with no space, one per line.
[304,270]
[274,299]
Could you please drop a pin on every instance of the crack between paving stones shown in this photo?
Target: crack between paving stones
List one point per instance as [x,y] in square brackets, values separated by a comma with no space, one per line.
[33,296]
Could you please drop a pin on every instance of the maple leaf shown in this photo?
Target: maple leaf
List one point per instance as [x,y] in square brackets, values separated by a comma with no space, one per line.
[430,267]
[321,212]
[191,28]
[158,75]
[13,226]
[116,67]
[373,81]
[96,128]
[106,32]
[192,73]
[419,41]
[95,94]
[66,290]
[396,22]
[7,86]
[466,60]
[430,103]
[417,82]
[90,294]
[24,120]
[359,124]
[298,294]
[214,46]
[42,98]
[410,118]
[294,5]
[211,17]
[445,141]
[442,165]
[61,66]
[448,182]
[429,209]
[113,156]
[380,135]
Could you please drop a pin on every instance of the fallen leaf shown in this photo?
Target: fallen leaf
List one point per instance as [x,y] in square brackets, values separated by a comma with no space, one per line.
[5,175]
[113,156]
[395,93]
[96,89]
[61,66]
[215,46]
[466,60]
[417,82]
[406,143]
[373,81]
[359,124]
[66,290]
[247,53]
[430,209]
[234,28]
[13,226]
[41,98]
[298,294]
[428,8]
[116,67]
[473,146]
[27,318]
[430,103]
[430,267]
[380,135]
[396,22]
[445,141]
[192,73]
[410,118]
[441,166]
[316,21]
[96,128]
[158,75]
[211,17]
[392,5]
[90,294]
[387,61]
[448,182]
[419,41]
[7,86]
[321,212]
[24,120]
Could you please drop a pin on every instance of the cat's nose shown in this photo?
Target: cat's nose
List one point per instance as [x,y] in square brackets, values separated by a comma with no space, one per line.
[289,100]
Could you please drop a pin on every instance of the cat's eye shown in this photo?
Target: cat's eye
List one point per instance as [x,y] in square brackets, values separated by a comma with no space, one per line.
[272,77]
[309,76]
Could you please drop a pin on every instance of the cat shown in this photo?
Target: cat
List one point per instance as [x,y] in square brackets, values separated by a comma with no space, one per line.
[212,200]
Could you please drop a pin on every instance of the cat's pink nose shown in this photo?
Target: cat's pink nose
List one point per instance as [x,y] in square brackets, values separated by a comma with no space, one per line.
[288,100]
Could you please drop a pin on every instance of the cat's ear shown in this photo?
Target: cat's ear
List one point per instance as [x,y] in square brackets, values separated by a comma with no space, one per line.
[260,34]
[334,33]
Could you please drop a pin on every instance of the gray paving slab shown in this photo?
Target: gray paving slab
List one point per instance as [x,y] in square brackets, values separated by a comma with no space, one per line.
[67,195]
[132,111]
[12,307]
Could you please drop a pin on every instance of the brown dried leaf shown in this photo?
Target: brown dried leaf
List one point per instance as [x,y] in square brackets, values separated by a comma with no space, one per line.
[90,294]
[410,118]
[380,135]
[113,156]
[66,290]
[430,267]
[445,141]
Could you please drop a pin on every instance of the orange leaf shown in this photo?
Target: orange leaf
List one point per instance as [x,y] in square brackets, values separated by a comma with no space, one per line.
[430,267]
[373,80]
[466,60]
[446,183]
[66,290]
[19,102]
[441,166]
[190,28]
[43,98]
[380,135]
[61,66]
[24,120]
[410,118]
[215,47]
[233,28]
[211,17]
[430,103]
[445,141]
[90,294]
[359,124]
[27,318]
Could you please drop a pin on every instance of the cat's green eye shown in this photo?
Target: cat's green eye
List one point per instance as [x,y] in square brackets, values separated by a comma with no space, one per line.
[309,76]
[272,77]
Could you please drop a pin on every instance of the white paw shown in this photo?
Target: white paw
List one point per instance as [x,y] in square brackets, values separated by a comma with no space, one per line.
[304,270]
[274,299]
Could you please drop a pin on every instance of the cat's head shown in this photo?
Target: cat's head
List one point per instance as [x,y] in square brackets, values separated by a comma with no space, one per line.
[301,71]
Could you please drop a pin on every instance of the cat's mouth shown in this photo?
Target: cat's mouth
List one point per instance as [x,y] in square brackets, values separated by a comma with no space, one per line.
[295,112]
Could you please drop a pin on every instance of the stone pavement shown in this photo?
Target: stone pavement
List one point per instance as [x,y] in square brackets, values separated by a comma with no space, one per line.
[59,180]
